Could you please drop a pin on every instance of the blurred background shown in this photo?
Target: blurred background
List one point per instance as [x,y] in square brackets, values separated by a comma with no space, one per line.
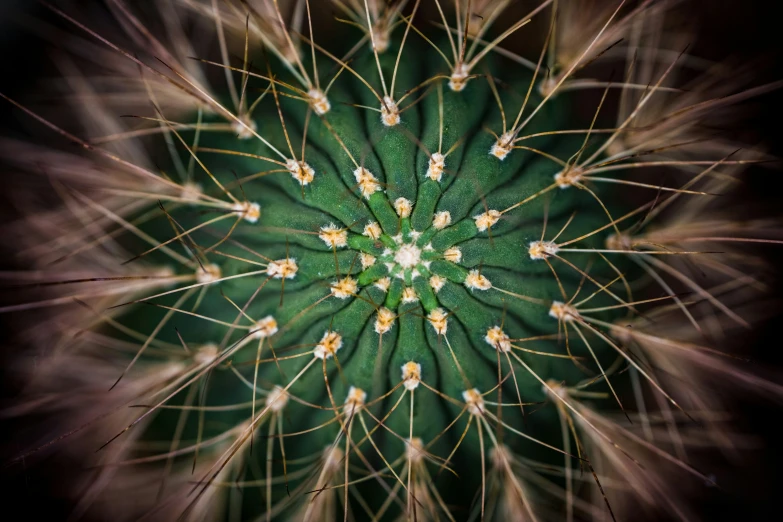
[745,32]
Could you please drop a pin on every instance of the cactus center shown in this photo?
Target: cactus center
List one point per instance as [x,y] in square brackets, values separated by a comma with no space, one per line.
[408,255]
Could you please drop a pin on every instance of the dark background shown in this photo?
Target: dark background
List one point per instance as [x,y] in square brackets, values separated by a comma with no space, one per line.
[744,31]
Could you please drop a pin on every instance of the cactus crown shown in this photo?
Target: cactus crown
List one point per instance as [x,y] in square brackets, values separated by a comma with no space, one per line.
[383,240]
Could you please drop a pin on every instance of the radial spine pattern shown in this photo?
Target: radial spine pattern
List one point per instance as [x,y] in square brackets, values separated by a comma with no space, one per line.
[399,273]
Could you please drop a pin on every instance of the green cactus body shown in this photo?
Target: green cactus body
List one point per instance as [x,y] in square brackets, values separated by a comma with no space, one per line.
[379,274]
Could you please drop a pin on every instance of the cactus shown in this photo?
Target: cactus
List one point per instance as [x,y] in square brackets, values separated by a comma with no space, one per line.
[400,275]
